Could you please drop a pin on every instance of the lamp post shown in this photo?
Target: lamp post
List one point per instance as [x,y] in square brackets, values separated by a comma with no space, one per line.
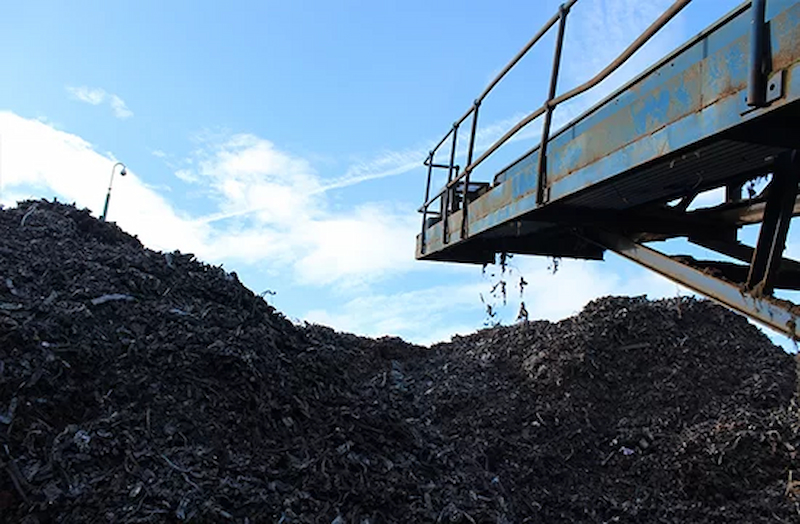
[108,195]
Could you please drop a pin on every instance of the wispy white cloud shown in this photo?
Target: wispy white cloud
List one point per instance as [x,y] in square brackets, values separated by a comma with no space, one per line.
[272,195]
[93,96]
[188,176]
[96,96]
[293,230]
[393,163]
[385,164]
[314,247]
[602,30]
[39,160]
[120,109]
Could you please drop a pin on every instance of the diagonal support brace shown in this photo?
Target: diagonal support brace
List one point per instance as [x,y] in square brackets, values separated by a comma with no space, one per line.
[766,310]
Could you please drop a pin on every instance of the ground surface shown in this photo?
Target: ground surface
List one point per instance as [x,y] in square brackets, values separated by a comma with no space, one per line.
[138,386]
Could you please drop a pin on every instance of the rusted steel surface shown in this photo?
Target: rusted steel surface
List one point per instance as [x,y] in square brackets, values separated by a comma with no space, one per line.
[743,213]
[677,113]
[774,313]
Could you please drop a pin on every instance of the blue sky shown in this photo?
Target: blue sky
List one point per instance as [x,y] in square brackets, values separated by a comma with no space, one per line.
[285,139]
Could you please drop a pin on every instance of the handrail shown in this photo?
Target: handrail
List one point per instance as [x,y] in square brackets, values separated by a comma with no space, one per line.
[550,23]
[668,15]
[527,47]
[656,26]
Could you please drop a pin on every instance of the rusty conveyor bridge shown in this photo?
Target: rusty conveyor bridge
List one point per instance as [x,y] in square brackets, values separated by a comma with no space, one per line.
[720,112]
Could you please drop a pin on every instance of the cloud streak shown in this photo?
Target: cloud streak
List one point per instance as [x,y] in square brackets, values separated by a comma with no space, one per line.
[96,96]
[295,232]
[598,31]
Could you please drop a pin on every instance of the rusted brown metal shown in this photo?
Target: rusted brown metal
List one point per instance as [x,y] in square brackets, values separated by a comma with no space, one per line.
[747,213]
[771,312]
[743,253]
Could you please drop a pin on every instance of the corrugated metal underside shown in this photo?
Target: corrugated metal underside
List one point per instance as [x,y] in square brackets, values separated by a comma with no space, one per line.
[700,169]
[538,232]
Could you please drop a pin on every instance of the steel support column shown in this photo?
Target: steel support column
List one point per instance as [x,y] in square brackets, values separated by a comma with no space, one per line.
[777,216]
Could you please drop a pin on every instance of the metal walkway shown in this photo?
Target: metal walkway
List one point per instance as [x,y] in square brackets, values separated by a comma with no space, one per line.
[717,113]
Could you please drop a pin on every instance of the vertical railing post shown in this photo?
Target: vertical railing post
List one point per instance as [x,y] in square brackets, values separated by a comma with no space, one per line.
[470,151]
[448,190]
[476,106]
[425,205]
[541,193]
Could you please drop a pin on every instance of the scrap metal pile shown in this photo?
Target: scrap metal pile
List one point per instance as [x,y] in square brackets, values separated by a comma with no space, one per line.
[138,386]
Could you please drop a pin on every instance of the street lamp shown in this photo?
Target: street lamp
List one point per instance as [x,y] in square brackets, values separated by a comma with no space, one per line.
[108,195]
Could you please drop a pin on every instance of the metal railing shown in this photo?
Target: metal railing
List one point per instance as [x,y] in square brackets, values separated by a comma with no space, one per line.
[456,176]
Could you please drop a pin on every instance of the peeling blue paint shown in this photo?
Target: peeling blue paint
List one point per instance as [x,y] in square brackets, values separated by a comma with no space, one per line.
[687,100]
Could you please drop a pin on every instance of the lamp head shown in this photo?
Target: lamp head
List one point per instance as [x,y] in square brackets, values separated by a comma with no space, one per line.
[124,171]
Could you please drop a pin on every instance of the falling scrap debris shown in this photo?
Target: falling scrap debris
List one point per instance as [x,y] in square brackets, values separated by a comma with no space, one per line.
[138,386]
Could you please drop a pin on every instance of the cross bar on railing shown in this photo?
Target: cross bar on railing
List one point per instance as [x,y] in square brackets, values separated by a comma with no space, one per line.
[668,15]
[496,80]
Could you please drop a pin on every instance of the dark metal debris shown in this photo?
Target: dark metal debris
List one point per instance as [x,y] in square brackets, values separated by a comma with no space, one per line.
[198,402]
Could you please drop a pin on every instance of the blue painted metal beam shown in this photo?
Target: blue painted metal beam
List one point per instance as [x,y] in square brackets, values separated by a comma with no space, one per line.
[645,142]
